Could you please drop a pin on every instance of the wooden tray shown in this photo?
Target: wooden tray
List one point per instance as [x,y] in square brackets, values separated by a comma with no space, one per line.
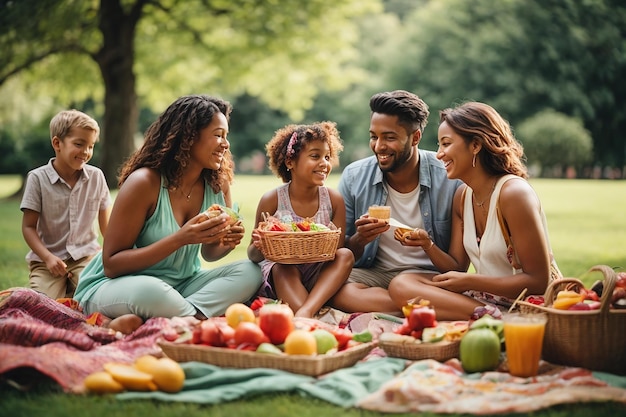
[299,364]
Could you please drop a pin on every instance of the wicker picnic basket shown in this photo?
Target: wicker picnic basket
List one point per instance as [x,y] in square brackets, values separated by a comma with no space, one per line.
[299,247]
[299,364]
[592,339]
[440,351]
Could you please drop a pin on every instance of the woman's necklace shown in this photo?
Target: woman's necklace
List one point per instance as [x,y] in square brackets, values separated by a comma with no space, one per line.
[188,195]
[482,203]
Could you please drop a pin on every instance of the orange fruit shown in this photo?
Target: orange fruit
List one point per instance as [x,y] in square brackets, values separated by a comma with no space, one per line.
[300,342]
[238,312]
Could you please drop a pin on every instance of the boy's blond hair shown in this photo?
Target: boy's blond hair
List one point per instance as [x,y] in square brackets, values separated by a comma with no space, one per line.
[64,121]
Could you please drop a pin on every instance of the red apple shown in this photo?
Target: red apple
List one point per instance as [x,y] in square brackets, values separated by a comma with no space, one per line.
[580,306]
[422,317]
[210,334]
[228,334]
[621,279]
[196,335]
[248,333]
[276,321]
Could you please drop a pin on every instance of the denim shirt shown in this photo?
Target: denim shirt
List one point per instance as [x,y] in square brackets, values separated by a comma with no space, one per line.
[361,185]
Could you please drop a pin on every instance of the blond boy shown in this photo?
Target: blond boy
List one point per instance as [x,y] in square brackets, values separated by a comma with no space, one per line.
[60,204]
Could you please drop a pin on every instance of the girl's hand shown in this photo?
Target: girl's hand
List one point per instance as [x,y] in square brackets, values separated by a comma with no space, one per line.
[256,239]
[233,235]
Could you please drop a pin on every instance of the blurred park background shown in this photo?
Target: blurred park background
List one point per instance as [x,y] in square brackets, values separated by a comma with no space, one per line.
[554,68]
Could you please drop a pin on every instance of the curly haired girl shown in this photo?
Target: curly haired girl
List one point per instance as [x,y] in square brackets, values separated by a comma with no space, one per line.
[303,157]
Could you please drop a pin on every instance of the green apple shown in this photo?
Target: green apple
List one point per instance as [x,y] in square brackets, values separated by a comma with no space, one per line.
[269,348]
[325,340]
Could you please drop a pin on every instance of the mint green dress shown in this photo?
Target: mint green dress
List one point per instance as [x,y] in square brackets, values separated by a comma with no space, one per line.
[175,286]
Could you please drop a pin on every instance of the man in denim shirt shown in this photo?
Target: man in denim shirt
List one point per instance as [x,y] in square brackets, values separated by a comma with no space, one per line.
[409,180]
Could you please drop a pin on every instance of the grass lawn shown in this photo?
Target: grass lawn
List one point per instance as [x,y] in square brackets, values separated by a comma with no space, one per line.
[587,227]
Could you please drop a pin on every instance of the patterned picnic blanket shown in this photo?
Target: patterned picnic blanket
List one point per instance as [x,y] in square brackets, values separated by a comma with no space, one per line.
[42,335]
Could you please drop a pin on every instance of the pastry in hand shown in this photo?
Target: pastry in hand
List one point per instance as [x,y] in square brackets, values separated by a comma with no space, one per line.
[216,209]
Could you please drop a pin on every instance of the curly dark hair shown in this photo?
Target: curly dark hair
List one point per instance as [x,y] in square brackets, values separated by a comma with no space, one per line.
[411,110]
[277,146]
[168,141]
[501,153]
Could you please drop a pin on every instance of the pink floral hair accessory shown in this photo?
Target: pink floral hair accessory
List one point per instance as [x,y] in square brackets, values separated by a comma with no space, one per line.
[292,142]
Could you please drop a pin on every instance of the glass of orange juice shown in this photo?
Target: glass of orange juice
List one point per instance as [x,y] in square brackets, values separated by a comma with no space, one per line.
[380,212]
[523,338]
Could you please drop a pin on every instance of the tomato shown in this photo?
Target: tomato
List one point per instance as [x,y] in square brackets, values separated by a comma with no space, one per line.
[535,299]
[276,321]
[250,334]
[403,328]
[479,350]
[343,336]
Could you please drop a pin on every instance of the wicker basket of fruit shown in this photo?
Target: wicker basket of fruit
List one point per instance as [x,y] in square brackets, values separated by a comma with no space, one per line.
[585,326]
[420,336]
[298,242]
[270,338]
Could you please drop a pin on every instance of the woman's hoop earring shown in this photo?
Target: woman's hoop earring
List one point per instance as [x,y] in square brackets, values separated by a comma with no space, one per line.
[474,161]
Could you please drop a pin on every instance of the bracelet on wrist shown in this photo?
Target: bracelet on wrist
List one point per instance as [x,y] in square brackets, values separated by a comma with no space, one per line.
[432,243]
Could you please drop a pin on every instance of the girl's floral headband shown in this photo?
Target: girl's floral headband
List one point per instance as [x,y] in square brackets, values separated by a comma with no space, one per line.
[290,145]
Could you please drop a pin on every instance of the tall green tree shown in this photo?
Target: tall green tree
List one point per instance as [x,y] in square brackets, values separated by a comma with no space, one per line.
[522,56]
[127,51]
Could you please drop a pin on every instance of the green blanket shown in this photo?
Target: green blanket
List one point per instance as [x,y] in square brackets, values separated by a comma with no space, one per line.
[209,384]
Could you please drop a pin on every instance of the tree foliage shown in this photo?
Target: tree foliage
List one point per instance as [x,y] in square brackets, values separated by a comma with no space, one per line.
[555,140]
[284,61]
[153,51]
[522,56]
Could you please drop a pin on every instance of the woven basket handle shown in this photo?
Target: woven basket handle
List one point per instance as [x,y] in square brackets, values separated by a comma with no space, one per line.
[610,279]
[561,284]
[575,284]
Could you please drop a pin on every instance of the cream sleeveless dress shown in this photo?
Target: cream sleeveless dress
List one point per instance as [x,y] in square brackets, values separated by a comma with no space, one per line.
[490,256]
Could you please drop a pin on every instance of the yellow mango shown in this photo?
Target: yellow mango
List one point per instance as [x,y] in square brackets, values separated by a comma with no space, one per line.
[130,377]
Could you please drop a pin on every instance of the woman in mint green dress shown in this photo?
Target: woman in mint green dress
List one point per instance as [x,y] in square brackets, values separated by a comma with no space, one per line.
[149,265]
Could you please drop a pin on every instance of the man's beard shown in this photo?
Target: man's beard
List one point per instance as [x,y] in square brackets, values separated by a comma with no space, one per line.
[399,159]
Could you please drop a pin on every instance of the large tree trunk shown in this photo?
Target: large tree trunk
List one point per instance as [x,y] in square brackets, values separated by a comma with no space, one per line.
[116,60]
